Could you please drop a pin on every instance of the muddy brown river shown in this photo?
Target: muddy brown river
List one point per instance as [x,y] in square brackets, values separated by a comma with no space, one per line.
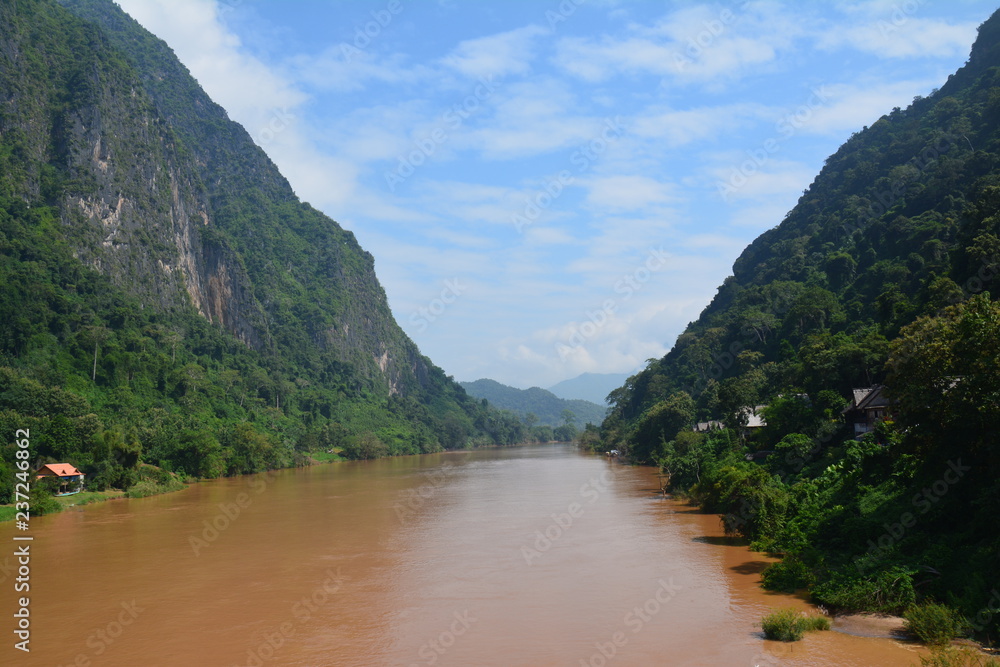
[529,556]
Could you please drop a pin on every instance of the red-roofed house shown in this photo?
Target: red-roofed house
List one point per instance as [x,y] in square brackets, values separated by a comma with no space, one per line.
[70,479]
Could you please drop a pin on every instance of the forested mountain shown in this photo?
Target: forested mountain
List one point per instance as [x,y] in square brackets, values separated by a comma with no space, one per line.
[882,273]
[549,409]
[166,297]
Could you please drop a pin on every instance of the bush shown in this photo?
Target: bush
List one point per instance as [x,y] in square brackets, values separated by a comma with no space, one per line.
[783,626]
[788,625]
[934,624]
[788,575]
[887,592]
[148,487]
[958,657]
[41,498]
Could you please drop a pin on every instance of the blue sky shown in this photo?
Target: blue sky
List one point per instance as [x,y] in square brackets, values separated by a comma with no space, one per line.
[551,188]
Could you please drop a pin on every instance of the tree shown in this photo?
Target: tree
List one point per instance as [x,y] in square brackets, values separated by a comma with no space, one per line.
[660,424]
[943,374]
[96,335]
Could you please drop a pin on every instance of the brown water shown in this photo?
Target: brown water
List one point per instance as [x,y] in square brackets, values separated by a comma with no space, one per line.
[432,560]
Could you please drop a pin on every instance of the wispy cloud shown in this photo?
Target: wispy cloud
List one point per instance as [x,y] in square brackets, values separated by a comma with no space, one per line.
[496,55]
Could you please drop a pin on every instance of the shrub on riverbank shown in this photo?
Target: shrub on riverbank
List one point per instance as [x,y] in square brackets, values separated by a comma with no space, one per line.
[958,657]
[934,624]
[887,592]
[787,575]
[788,625]
[148,487]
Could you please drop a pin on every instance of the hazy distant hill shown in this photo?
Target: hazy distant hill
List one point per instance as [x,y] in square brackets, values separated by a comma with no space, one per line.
[544,404]
[593,387]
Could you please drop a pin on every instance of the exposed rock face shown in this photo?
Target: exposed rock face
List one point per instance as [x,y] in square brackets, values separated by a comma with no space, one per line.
[161,192]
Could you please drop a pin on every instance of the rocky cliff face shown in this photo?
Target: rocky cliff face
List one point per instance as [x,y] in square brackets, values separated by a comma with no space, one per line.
[130,195]
[165,195]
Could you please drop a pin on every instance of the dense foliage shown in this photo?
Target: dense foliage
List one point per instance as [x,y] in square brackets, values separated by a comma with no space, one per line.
[883,273]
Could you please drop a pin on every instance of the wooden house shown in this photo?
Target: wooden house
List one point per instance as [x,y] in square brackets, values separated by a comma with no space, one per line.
[868,407]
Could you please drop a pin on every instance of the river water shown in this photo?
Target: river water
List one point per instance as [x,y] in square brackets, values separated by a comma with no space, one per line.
[525,556]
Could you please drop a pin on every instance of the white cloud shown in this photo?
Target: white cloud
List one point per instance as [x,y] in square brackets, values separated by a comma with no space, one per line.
[898,35]
[696,45]
[244,86]
[677,127]
[849,107]
[496,55]
[343,70]
[529,117]
[627,193]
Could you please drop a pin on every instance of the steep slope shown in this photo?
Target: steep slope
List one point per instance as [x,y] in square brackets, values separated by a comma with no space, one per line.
[546,406]
[883,272]
[166,296]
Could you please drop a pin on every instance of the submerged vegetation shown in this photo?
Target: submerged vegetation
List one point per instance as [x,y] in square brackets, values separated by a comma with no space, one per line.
[789,625]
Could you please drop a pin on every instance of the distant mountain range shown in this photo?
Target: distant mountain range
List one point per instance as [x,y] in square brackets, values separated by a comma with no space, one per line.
[593,387]
[542,403]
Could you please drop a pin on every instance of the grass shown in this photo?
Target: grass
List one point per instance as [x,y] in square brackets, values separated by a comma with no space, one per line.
[788,625]
[325,457]
[88,497]
[958,657]
[148,487]
[7,512]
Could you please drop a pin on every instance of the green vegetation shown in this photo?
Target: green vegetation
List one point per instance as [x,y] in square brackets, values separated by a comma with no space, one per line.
[788,625]
[958,657]
[84,498]
[934,624]
[167,300]
[882,274]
